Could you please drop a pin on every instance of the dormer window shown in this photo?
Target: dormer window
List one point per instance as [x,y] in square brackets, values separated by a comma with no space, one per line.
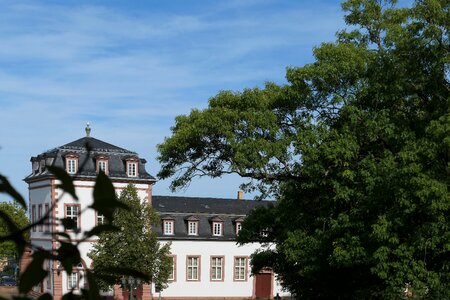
[217,226]
[168,225]
[131,170]
[238,224]
[192,227]
[102,164]
[71,165]
[132,167]
[238,227]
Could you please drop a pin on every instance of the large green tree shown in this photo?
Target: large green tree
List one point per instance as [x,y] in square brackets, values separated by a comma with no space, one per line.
[19,218]
[134,246]
[356,148]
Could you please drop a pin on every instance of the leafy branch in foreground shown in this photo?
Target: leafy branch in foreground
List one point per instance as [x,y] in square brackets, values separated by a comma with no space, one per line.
[67,254]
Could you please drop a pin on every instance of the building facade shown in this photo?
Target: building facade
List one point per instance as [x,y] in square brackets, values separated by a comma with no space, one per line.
[202,231]
[207,262]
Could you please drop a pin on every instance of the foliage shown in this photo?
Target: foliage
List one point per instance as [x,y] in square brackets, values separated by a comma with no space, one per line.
[134,245]
[19,218]
[67,253]
[356,147]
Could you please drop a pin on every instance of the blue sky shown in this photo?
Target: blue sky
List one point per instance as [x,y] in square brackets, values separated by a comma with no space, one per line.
[129,67]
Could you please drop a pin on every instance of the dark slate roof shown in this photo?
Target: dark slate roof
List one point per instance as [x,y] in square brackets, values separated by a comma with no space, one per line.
[180,209]
[94,145]
[87,149]
[212,206]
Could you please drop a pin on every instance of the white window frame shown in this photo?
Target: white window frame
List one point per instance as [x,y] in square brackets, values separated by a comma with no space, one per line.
[100,219]
[192,227]
[172,276]
[132,169]
[217,267]
[168,227]
[240,268]
[102,165]
[73,215]
[217,228]
[193,268]
[72,281]
[72,165]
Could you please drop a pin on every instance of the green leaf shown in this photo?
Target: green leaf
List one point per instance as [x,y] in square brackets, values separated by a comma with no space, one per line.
[34,273]
[45,296]
[69,255]
[69,224]
[66,181]
[105,199]
[6,187]
[64,234]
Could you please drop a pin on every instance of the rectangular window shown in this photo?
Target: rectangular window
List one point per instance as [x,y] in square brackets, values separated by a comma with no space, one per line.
[193,268]
[192,228]
[72,281]
[173,270]
[33,216]
[100,219]
[40,217]
[217,228]
[216,268]
[73,213]
[49,276]
[168,227]
[48,221]
[240,268]
[101,165]
[131,169]
[71,166]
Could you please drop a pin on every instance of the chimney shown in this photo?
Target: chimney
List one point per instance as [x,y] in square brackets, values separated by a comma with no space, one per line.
[240,195]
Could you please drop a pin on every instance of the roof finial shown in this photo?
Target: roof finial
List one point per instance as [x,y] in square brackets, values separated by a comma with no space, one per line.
[88,130]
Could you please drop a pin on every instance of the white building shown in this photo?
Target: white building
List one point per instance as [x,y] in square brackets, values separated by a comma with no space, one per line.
[207,261]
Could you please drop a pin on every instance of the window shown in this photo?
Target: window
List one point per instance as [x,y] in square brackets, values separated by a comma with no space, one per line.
[193,228]
[168,227]
[47,222]
[101,165]
[72,281]
[71,165]
[100,219]
[238,227]
[193,268]
[217,228]
[72,213]
[217,268]
[49,275]
[240,268]
[132,169]
[40,217]
[172,276]
[33,216]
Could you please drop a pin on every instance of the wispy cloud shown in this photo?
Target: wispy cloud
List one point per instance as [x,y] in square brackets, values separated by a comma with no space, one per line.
[130,70]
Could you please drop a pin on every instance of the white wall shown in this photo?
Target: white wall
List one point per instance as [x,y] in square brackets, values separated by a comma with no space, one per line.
[41,192]
[205,287]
